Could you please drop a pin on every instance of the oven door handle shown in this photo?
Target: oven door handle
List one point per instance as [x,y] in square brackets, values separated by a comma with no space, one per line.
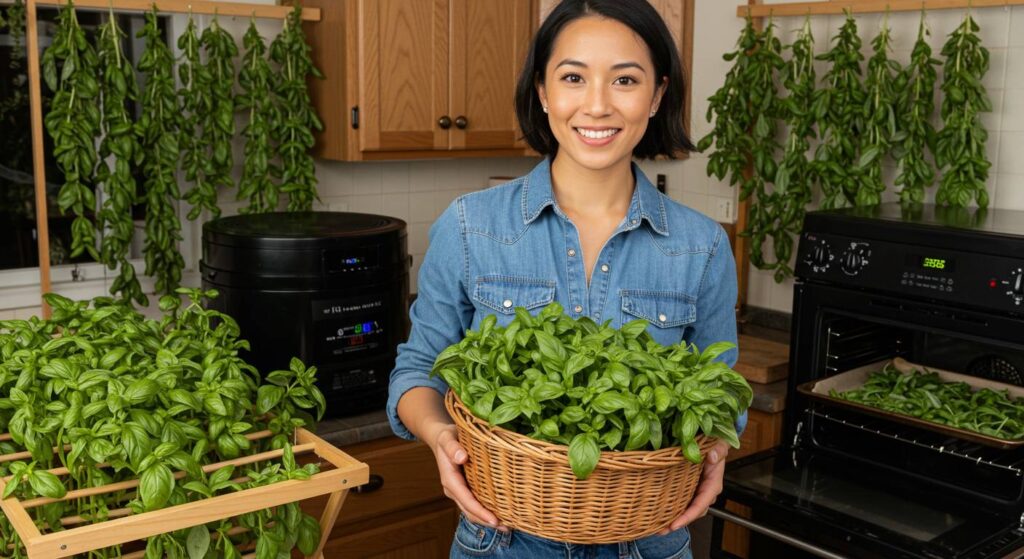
[774,534]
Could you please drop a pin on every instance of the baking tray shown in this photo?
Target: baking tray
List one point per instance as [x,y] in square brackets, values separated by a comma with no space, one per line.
[855,378]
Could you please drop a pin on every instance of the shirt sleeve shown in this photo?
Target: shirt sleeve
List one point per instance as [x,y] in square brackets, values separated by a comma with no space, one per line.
[716,307]
[439,317]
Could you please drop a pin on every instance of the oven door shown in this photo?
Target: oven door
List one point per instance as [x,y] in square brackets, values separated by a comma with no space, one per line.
[811,504]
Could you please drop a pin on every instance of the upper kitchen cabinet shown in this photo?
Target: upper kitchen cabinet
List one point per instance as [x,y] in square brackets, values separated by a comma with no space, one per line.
[418,78]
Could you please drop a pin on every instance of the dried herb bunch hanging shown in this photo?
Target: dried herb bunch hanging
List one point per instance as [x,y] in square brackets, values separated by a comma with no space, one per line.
[119,146]
[916,104]
[196,96]
[840,109]
[794,178]
[73,122]
[960,148]
[158,132]
[292,132]
[254,79]
[880,121]
[219,127]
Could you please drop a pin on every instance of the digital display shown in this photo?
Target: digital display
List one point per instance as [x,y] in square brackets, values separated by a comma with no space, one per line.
[930,262]
[934,263]
[351,260]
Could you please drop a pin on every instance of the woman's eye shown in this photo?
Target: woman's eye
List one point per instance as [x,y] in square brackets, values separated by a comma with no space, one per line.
[572,78]
[625,80]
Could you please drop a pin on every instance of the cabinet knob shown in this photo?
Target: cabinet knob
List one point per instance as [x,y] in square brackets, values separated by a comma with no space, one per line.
[461,123]
[445,122]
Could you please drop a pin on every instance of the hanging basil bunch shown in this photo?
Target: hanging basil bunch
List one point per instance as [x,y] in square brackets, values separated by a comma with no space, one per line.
[840,109]
[219,127]
[157,129]
[196,96]
[880,120]
[916,104]
[960,149]
[292,132]
[16,30]
[74,122]
[254,78]
[121,147]
[795,175]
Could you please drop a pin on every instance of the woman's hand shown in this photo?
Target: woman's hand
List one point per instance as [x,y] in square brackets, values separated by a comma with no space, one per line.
[450,457]
[708,490]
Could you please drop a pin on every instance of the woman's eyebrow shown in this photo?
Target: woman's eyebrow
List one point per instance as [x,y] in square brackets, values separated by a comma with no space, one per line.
[619,66]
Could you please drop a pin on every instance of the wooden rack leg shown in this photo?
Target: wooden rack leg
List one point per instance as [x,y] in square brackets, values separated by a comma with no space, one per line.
[327,520]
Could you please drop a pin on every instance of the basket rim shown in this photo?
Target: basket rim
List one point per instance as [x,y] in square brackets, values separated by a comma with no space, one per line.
[662,457]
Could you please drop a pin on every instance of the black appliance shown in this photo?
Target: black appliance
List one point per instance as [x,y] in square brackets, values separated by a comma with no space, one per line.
[330,288]
[941,287]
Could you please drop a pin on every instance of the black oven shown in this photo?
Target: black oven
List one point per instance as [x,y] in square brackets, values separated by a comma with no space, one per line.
[942,288]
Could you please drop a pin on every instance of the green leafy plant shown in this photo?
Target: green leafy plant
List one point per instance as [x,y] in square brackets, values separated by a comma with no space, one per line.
[926,396]
[157,130]
[196,96]
[840,108]
[960,148]
[258,172]
[794,178]
[73,122]
[916,104]
[880,122]
[590,387]
[219,127]
[119,146]
[293,131]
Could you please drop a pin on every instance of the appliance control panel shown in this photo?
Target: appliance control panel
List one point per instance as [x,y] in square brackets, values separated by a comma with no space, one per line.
[970,278]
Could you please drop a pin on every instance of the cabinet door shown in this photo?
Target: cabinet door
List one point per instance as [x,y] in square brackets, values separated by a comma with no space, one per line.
[403,74]
[428,536]
[489,40]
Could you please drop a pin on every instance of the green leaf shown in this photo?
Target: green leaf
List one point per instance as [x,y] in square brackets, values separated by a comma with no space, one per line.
[198,542]
[583,455]
[155,486]
[309,535]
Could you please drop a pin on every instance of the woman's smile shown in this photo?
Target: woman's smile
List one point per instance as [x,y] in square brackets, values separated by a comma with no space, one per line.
[597,136]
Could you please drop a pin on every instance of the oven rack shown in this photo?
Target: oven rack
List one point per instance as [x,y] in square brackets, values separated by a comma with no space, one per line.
[953,449]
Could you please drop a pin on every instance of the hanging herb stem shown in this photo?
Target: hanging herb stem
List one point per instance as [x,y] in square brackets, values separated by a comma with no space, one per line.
[795,176]
[960,148]
[293,133]
[74,122]
[840,108]
[254,78]
[158,134]
[880,119]
[916,105]
[117,86]
[219,125]
[196,96]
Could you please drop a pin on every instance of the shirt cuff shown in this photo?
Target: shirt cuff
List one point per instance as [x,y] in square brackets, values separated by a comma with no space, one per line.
[398,387]
[741,423]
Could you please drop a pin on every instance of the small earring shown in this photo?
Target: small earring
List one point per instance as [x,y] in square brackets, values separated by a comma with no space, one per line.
[653,113]
[545,109]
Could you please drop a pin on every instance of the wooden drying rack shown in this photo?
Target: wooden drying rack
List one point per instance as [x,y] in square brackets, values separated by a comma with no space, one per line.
[123,526]
[204,7]
[835,7]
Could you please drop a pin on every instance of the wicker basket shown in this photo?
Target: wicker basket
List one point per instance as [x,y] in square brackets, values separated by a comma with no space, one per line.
[529,485]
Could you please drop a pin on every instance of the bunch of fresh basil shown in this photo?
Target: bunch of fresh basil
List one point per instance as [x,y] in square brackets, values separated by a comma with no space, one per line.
[592,387]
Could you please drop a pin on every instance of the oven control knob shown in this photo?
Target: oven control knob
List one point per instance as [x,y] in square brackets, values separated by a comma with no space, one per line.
[852,262]
[820,256]
[1017,286]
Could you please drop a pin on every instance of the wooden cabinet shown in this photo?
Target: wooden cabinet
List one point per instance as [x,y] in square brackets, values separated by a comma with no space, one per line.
[418,78]
[402,512]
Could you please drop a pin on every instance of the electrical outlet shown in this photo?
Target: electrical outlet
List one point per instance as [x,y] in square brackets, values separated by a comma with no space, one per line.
[724,210]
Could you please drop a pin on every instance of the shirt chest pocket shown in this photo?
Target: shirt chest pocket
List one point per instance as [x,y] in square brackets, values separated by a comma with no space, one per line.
[502,294]
[669,312]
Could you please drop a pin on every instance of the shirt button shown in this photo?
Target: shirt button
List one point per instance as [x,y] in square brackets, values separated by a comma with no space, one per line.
[578,309]
[604,267]
[572,252]
[662,318]
[507,303]
[635,221]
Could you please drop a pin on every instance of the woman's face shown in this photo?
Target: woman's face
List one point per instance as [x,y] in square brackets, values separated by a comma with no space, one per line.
[600,90]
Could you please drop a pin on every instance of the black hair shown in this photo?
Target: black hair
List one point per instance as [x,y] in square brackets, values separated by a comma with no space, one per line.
[665,134]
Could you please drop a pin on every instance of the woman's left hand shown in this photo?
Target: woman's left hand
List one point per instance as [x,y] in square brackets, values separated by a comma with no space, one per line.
[708,490]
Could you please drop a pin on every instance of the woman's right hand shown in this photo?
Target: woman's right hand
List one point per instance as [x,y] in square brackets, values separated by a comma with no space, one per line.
[450,457]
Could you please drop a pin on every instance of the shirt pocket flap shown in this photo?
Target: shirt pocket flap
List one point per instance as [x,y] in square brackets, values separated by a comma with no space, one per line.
[505,293]
[664,309]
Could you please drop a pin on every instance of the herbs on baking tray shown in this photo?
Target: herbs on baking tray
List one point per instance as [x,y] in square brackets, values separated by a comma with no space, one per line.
[928,397]
[593,387]
[113,396]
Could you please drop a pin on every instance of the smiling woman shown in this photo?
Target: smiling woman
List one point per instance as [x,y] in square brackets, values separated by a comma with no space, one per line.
[602,85]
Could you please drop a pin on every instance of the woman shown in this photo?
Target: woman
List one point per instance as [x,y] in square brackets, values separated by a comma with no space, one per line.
[602,84]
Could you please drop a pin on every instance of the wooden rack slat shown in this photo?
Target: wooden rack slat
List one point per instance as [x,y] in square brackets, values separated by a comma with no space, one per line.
[205,7]
[835,8]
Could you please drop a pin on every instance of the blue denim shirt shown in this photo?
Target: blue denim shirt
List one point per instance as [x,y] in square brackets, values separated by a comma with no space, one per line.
[512,246]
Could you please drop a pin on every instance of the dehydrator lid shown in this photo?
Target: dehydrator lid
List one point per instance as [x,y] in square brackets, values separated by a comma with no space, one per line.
[298,229]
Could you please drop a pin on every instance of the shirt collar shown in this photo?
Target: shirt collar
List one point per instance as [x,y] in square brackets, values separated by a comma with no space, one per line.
[647,204]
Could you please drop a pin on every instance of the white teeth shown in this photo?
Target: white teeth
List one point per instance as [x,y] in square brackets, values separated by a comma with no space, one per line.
[597,134]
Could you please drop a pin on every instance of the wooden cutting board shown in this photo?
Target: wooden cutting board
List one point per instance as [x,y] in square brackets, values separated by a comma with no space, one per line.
[761,360]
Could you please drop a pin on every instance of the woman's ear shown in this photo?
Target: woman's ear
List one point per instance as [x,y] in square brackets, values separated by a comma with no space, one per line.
[542,95]
[658,94]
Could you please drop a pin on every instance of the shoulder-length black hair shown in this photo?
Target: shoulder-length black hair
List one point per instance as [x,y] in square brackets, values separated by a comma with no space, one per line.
[665,134]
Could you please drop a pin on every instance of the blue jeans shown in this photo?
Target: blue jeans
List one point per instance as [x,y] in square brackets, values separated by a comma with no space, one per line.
[474,540]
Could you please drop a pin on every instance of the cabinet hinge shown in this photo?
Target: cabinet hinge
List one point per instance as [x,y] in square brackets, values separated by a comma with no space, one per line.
[355,118]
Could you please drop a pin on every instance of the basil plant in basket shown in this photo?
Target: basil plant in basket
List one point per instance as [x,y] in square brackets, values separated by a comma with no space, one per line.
[593,387]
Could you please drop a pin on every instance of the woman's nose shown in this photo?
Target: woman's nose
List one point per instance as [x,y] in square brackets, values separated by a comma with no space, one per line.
[596,101]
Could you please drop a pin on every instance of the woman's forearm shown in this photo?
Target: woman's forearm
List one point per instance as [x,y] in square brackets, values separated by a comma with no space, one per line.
[422,411]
